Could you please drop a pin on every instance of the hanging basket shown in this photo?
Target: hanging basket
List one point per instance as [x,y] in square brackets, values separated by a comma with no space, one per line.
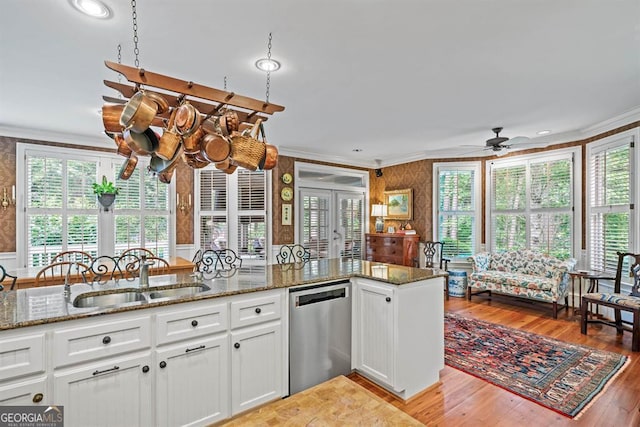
[106,200]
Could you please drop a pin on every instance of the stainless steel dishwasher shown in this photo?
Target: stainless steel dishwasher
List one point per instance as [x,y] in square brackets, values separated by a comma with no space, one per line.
[319,333]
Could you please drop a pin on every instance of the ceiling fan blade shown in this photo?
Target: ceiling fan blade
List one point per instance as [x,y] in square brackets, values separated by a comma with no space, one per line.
[518,140]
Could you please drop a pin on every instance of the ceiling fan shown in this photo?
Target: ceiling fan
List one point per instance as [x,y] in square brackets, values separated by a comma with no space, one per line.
[498,142]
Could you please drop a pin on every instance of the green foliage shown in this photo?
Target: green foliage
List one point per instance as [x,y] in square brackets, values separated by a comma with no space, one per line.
[106,187]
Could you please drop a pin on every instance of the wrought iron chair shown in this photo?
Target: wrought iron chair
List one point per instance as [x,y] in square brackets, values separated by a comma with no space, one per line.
[73,256]
[138,252]
[217,263]
[618,302]
[105,268]
[61,272]
[293,254]
[5,275]
[433,258]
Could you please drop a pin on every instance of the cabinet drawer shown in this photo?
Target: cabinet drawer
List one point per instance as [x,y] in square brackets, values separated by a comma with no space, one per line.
[251,311]
[386,250]
[84,343]
[183,324]
[21,356]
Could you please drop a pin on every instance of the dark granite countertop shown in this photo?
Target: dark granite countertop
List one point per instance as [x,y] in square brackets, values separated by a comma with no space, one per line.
[36,306]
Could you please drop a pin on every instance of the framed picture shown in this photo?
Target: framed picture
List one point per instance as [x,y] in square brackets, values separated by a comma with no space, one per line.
[399,204]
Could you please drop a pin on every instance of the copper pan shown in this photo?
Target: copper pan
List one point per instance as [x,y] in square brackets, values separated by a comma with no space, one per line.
[191,143]
[123,148]
[187,119]
[138,112]
[111,117]
[142,143]
[270,159]
[128,167]
[215,148]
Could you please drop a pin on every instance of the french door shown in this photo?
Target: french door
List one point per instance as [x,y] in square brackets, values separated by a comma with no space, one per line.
[331,223]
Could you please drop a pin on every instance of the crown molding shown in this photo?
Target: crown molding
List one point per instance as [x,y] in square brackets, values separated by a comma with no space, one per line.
[309,155]
[620,120]
[54,136]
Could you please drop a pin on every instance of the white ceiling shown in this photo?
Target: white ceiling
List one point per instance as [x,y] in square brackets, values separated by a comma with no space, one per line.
[401,79]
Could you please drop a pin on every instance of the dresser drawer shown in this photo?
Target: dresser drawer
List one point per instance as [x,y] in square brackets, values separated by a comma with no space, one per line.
[20,356]
[207,318]
[84,343]
[248,311]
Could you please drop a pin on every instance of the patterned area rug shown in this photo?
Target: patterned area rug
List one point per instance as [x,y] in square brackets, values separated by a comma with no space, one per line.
[563,377]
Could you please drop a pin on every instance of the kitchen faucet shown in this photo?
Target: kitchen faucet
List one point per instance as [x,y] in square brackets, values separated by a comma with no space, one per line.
[67,286]
[144,271]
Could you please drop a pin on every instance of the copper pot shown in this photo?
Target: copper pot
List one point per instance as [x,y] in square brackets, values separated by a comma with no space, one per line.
[161,102]
[270,159]
[111,117]
[128,167]
[138,113]
[191,143]
[215,148]
[142,143]
[229,123]
[157,164]
[187,119]
[169,141]
[123,148]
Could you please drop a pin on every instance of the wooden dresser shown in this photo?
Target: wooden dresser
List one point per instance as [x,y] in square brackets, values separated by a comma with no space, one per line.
[401,249]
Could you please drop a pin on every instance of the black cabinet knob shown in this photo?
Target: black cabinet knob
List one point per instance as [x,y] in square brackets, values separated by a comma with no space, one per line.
[37,398]
[194,323]
[237,345]
[145,369]
[106,340]
[163,364]
[388,299]
[258,310]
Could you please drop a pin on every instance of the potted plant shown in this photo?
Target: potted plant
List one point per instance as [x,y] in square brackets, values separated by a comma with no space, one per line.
[106,192]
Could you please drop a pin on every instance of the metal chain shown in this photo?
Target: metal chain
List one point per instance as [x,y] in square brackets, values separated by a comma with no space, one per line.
[134,15]
[225,83]
[119,61]
[268,71]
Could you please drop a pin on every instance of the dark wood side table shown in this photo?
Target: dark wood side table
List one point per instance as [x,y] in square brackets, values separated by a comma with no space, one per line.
[593,277]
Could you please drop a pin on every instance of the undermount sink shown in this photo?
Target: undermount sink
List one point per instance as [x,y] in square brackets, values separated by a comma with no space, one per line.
[107,300]
[178,292]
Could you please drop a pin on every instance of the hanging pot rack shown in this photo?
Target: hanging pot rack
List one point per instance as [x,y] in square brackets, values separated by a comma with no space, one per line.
[140,76]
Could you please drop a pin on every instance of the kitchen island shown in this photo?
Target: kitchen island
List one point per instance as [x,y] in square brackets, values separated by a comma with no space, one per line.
[191,351]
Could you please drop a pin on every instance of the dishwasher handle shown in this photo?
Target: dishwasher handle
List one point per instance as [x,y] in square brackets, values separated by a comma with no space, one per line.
[320,294]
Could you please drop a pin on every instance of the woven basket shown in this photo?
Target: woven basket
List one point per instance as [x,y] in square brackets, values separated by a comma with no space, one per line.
[247,152]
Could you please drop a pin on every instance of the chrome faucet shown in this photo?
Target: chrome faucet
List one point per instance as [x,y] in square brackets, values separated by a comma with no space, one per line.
[67,286]
[144,272]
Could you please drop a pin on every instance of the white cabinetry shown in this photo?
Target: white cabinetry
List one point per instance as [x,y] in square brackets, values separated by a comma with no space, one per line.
[256,353]
[114,392]
[398,334]
[192,385]
[22,368]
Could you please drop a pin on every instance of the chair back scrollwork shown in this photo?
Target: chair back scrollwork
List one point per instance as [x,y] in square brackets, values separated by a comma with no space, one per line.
[433,256]
[214,263]
[5,275]
[293,253]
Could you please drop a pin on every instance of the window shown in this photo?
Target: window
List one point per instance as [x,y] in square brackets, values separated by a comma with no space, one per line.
[62,213]
[457,213]
[233,212]
[531,204]
[610,199]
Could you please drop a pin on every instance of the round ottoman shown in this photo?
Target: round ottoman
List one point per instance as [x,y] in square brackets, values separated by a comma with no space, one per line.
[457,283]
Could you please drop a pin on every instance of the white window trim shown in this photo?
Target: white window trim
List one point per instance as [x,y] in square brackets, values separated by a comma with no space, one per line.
[105,160]
[630,136]
[476,167]
[575,152]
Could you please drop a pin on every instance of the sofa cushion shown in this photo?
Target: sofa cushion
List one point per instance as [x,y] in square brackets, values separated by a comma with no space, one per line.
[527,281]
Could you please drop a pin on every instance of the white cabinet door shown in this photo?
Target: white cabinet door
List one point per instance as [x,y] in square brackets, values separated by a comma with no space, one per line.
[373,337]
[192,386]
[24,393]
[114,392]
[256,366]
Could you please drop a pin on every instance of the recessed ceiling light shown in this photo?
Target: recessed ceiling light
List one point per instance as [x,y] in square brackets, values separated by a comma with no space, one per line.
[266,64]
[544,132]
[93,8]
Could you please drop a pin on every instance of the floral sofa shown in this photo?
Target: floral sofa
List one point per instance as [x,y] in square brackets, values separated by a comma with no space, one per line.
[522,273]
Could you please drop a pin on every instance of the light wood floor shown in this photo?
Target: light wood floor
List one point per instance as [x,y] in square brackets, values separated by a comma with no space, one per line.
[463,400]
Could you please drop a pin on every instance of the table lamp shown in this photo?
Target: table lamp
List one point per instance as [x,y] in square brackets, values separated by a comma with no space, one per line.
[379,211]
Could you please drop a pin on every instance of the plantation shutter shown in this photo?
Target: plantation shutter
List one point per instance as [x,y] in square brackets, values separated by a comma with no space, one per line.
[213,209]
[142,213]
[508,205]
[251,237]
[456,211]
[550,204]
[610,199]
[61,212]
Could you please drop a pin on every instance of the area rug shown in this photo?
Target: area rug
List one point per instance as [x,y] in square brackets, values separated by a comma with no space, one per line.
[560,376]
